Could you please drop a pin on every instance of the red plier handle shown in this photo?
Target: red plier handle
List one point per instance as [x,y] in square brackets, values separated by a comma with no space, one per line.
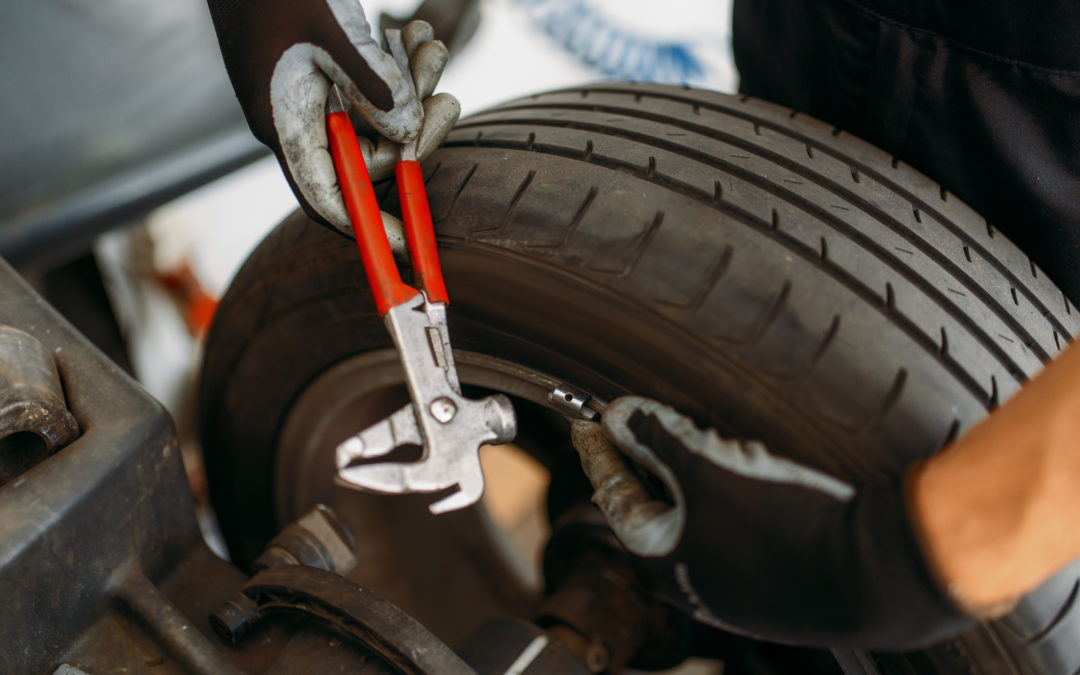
[382,273]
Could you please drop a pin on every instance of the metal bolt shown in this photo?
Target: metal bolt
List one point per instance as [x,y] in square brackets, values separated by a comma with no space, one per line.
[443,409]
[235,619]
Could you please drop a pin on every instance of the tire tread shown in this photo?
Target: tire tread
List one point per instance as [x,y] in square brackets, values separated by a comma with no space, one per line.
[999,303]
[819,251]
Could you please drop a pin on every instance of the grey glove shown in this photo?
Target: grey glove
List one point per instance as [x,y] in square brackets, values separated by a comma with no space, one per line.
[759,544]
[283,56]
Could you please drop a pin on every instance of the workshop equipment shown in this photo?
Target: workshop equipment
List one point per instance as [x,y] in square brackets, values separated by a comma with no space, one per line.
[34,418]
[449,427]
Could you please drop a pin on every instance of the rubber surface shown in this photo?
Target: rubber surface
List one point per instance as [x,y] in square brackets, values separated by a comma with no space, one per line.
[762,271]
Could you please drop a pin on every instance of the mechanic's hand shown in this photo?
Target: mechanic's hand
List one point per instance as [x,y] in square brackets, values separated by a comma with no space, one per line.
[767,547]
[283,56]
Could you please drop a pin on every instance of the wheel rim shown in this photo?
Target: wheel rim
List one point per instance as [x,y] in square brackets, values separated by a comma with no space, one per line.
[466,547]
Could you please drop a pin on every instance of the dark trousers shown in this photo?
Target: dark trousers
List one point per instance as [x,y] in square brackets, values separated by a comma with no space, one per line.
[982,96]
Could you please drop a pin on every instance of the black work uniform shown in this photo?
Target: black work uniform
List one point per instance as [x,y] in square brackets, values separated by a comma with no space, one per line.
[983,96]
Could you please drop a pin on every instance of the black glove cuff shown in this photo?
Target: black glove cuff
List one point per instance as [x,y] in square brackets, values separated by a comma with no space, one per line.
[894,594]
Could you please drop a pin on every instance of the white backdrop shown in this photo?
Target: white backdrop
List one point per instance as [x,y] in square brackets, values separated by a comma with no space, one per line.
[527,46]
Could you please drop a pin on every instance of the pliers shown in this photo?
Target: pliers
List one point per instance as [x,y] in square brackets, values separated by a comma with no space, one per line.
[449,427]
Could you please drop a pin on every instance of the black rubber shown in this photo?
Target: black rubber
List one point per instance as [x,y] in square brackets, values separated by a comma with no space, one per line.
[758,269]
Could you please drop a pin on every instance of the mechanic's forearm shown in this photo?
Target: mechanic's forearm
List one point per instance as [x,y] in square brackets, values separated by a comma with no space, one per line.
[998,509]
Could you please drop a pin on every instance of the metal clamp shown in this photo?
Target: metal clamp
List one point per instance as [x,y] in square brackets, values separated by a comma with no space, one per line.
[449,427]
[574,401]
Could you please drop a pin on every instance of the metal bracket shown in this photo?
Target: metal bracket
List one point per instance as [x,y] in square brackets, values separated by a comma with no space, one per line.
[573,401]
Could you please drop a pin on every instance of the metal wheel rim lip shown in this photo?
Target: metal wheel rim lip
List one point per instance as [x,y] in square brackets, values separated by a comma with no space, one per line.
[364,375]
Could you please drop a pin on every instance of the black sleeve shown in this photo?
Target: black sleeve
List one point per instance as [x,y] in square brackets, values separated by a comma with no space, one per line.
[983,97]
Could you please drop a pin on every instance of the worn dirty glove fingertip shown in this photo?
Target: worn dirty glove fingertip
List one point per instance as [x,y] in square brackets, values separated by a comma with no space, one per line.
[621,409]
[441,113]
[416,33]
[427,65]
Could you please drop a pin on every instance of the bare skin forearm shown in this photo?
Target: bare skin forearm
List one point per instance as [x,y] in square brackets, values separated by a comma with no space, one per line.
[998,509]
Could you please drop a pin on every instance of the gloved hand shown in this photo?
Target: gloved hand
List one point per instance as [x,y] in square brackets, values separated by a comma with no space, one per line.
[764,546]
[283,56]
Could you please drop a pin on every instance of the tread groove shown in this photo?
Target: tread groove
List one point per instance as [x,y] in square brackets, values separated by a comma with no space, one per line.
[868,170]
[773,311]
[827,340]
[505,220]
[640,244]
[891,396]
[761,325]
[808,206]
[712,277]
[797,247]
[574,222]
[461,188]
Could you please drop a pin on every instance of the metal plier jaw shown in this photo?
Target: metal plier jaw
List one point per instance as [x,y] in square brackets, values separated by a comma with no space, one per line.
[449,427]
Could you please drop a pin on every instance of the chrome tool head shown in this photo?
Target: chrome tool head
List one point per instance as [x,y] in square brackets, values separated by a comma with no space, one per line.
[449,427]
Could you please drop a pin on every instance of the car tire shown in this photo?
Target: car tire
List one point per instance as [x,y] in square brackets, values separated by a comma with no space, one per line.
[761,271]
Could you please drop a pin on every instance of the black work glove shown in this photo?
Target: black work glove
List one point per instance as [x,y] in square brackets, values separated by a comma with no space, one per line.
[763,546]
[284,55]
